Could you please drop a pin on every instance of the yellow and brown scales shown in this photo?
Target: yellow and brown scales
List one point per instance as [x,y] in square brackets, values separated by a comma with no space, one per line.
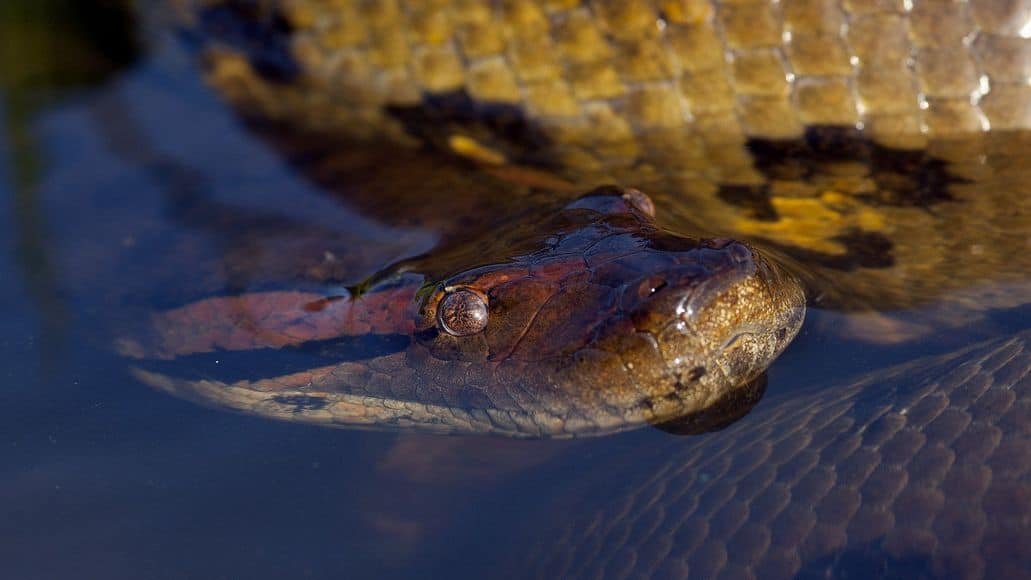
[882,144]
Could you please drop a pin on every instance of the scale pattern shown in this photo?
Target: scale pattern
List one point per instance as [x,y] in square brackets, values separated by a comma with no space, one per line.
[721,111]
[597,75]
[923,470]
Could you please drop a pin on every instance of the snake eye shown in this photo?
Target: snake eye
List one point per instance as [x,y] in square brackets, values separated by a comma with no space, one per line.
[462,312]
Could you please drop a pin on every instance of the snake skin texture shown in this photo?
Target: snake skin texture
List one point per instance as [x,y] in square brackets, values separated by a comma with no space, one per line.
[881,144]
[594,73]
[922,470]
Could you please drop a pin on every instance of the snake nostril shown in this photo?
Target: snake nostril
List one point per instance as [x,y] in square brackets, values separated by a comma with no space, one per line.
[651,285]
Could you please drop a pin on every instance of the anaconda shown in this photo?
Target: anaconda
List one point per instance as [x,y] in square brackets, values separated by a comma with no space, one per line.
[802,156]
[925,424]
[592,321]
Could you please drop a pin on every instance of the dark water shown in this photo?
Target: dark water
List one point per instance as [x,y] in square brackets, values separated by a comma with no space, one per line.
[103,477]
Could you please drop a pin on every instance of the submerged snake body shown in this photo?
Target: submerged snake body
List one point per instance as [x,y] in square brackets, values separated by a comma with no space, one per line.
[919,471]
[597,322]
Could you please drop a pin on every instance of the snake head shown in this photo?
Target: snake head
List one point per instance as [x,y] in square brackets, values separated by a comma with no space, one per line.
[586,319]
[611,320]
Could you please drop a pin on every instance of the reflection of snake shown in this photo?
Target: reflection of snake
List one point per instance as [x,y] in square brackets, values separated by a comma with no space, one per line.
[596,321]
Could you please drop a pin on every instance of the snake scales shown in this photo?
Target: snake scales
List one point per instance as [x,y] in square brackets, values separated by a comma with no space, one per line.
[880,144]
[919,471]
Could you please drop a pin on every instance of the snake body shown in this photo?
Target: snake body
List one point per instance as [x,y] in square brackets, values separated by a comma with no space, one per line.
[614,80]
[918,471]
[881,144]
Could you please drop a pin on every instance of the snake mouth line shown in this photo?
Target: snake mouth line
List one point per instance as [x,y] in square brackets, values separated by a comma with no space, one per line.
[748,332]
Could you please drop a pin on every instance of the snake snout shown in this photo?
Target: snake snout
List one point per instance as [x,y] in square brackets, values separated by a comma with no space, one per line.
[727,264]
[687,291]
[681,293]
[722,305]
